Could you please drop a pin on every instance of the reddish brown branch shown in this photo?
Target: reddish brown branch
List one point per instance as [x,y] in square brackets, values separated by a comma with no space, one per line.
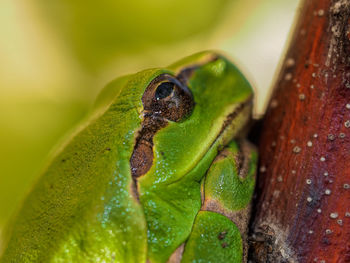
[303,207]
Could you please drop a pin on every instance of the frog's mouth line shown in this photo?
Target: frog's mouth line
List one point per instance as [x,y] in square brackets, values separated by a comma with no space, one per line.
[228,123]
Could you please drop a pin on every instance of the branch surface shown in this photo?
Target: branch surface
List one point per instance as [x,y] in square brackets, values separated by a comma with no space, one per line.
[303,203]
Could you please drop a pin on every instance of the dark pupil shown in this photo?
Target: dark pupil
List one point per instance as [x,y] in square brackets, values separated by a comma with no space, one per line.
[164,90]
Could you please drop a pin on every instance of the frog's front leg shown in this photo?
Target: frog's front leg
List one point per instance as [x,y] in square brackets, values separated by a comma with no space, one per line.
[219,233]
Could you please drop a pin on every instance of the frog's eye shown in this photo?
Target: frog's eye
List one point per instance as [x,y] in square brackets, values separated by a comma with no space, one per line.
[167,98]
[164,90]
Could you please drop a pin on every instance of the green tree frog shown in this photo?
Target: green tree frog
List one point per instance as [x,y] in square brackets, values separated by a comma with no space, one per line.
[159,173]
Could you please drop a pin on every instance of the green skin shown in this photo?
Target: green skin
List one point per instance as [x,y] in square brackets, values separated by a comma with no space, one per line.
[83,208]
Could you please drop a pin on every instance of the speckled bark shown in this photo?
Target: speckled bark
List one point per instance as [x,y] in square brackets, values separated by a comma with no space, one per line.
[303,204]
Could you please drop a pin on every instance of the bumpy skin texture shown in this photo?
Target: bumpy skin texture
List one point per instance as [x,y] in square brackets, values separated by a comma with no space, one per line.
[84,209]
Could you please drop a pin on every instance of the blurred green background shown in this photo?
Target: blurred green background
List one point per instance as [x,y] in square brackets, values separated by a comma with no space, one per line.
[56,55]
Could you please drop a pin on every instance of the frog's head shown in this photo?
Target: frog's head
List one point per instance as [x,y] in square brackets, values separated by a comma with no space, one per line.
[190,111]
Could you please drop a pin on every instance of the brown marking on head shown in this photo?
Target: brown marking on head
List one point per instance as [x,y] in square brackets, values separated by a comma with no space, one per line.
[165,99]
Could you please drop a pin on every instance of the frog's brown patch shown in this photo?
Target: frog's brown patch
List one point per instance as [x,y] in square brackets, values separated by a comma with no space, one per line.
[174,103]
[142,158]
[176,256]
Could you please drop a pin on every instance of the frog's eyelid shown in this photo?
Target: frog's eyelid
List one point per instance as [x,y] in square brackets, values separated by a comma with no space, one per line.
[185,73]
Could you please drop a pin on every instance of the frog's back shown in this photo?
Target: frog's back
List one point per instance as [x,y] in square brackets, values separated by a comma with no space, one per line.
[73,212]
